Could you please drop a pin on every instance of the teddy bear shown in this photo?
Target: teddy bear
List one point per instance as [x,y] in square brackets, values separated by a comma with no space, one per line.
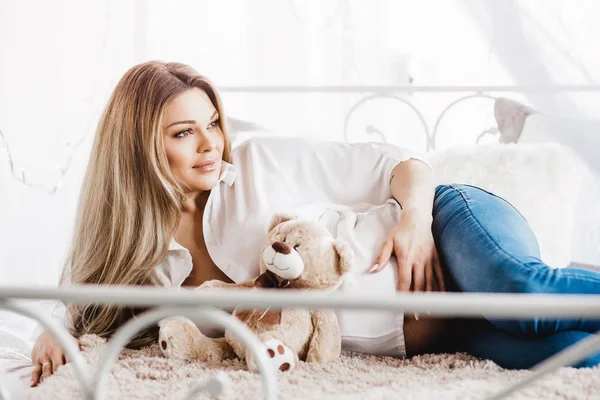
[298,254]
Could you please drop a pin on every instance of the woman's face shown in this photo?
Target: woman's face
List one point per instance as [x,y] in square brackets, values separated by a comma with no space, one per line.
[193,140]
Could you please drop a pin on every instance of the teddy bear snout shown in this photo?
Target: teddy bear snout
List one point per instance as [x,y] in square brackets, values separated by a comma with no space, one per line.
[286,264]
[281,247]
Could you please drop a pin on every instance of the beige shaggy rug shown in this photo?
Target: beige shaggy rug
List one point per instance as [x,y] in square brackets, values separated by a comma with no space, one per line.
[146,374]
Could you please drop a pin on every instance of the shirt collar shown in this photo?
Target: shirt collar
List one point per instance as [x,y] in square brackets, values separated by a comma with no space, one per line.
[173,245]
[228,173]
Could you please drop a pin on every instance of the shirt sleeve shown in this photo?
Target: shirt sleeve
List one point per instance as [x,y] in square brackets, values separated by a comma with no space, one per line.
[331,172]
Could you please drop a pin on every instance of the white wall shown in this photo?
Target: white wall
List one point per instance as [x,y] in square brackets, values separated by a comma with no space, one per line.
[60,61]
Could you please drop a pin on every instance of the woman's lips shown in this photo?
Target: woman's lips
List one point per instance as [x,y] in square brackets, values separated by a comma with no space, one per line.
[206,166]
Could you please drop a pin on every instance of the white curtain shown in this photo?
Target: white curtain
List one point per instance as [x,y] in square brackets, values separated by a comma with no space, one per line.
[60,61]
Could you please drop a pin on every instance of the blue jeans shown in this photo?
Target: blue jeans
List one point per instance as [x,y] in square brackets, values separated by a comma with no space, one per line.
[485,245]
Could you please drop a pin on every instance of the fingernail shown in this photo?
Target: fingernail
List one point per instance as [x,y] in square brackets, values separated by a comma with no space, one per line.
[374,267]
[416,316]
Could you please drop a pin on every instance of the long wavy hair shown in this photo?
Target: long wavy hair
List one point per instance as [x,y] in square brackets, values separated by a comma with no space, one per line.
[130,203]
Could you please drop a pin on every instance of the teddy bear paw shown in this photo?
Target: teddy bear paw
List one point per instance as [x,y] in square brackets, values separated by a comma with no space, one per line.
[280,357]
[172,340]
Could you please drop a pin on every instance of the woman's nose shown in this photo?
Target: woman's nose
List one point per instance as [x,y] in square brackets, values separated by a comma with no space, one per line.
[206,146]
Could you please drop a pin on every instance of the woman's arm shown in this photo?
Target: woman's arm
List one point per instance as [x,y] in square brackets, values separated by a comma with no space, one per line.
[412,185]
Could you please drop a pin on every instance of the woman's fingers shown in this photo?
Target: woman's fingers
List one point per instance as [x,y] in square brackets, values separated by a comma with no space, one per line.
[384,257]
[405,272]
[429,277]
[439,274]
[46,368]
[57,360]
[47,356]
[35,375]
[418,277]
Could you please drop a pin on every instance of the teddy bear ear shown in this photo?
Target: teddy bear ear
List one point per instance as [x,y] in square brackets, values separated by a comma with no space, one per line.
[346,255]
[279,218]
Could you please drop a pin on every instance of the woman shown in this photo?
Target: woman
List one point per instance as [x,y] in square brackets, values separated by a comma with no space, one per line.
[166,202]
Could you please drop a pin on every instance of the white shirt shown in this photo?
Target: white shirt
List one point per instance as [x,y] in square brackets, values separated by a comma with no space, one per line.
[344,186]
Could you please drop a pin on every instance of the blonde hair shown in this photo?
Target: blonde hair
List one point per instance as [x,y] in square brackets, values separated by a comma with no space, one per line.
[130,202]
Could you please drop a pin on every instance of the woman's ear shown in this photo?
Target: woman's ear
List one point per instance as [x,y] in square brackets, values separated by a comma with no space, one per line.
[280,218]
[346,256]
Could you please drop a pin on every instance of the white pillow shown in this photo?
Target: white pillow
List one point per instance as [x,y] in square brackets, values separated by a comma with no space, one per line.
[542,181]
[584,137]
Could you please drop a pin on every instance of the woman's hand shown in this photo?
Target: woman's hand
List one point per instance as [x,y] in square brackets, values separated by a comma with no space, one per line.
[46,356]
[217,284]
[214,284]
[411,241]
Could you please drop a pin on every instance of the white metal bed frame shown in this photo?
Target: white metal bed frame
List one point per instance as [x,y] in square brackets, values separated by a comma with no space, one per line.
[204,305]
[168,302]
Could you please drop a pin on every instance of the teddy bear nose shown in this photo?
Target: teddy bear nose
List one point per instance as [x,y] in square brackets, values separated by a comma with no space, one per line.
[281,247]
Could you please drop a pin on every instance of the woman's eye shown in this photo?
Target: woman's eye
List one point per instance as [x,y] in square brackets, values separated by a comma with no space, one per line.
[181,134]
[213,124]
[296,247]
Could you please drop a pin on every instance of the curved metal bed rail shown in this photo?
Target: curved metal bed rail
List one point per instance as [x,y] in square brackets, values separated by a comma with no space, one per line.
[177,302]
[94,386]
[438,121]
[401,94]
[61,335]
[127,331]
[430,143]
[430,134]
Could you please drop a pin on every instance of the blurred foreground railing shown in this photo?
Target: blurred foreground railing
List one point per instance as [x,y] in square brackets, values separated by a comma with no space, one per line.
[204,305]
